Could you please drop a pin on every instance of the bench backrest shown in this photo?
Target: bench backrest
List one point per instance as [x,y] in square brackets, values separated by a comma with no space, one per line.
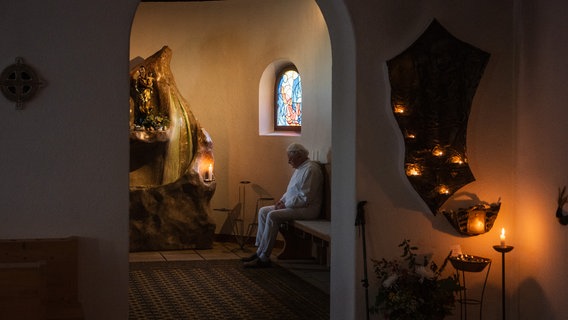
[326,203]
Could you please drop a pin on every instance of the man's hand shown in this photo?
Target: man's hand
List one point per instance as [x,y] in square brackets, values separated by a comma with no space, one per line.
[279,205]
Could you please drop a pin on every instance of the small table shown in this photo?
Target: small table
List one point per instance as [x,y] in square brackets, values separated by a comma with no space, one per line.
[253,226]
[234,219]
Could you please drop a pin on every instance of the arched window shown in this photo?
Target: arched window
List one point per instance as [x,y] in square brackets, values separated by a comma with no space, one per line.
[288,100]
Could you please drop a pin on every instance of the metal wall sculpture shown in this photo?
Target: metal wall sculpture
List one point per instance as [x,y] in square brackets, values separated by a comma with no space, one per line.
[432,87]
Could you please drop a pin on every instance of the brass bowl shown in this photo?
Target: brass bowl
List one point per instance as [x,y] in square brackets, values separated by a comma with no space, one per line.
[469,263]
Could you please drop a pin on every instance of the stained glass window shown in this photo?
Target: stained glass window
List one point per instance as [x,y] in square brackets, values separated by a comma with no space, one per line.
[288,100]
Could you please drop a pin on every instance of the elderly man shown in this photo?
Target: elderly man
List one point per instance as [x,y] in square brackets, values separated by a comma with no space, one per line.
[302,200]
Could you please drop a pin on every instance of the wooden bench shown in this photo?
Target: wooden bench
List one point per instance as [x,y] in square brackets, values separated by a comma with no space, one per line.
[308,239]
[22,290]
[38,279]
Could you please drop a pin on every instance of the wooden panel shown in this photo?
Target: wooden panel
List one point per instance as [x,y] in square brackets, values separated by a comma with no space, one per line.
[23,290]
[326,203]
[59,257]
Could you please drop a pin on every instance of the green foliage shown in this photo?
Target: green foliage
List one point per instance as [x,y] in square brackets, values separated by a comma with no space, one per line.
[156,122]
[415,291]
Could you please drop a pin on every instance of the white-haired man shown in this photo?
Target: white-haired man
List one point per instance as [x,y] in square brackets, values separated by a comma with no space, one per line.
[302,200]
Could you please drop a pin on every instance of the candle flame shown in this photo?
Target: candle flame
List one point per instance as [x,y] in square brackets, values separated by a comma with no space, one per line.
[399,108]
[442,189]
[457,159]
[438,151]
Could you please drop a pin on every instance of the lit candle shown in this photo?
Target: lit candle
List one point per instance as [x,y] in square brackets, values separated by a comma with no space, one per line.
[413,170]
[456,159]
[476,222]
[438,151]
[210,172]
[502,237]
[442,189]
[399,108]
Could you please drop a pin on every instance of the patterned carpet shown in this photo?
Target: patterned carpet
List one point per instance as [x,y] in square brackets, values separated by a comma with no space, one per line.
[221,289]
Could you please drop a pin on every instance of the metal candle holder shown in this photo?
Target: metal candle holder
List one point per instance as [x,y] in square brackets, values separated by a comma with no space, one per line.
[503,249]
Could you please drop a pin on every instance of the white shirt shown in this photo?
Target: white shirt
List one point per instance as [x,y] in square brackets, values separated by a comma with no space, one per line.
[305,187]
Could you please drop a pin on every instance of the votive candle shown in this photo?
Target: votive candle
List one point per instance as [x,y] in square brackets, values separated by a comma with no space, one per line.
[210,172]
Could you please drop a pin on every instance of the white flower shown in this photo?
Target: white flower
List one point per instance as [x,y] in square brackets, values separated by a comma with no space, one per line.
[425,273]
[390,280]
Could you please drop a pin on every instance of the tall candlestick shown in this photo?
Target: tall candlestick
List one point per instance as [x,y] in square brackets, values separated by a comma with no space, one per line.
[503,249]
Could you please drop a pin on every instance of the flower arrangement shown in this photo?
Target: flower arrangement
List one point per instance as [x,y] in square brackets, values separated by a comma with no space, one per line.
[415,291]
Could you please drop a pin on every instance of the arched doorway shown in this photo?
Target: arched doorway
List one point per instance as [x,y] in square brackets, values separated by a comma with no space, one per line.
[343,146]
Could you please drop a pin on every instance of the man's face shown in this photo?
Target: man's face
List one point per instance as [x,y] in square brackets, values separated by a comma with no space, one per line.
[295,159]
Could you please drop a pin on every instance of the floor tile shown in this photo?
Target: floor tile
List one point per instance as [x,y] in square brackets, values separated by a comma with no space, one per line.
[181,255]
[145,256]
[218,255]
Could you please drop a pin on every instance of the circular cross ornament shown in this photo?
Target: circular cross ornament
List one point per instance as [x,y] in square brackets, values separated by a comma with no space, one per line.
[19,82]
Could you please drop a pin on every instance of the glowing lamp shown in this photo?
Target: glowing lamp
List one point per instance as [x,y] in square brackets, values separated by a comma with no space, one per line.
[476,222]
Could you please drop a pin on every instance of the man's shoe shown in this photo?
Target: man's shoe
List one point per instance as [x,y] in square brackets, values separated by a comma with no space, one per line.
[257,263]
[251,258]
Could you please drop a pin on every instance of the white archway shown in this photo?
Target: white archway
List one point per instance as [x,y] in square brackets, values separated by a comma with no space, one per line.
[343,286]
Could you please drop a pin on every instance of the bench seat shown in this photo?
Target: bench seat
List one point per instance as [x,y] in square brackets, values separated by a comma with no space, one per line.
[318,228]
[302,236]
